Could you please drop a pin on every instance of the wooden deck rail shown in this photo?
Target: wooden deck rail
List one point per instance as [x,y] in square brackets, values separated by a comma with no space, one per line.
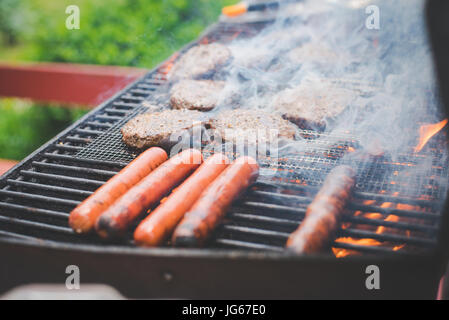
[68,84]
[64,83]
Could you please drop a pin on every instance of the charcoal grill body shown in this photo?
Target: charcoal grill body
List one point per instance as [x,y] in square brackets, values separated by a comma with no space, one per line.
[215,274]
[38,250]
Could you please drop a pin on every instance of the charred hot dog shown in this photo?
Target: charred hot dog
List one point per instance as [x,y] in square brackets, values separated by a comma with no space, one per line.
[115,220]
[211,207]
[82,219]
[323,215]
[161,222]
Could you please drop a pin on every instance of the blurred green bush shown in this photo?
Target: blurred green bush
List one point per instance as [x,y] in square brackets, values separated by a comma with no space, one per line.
[138,33]
[10,21]
[122,32]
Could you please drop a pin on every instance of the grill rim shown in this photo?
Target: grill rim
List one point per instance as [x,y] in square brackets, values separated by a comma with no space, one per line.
[215,253]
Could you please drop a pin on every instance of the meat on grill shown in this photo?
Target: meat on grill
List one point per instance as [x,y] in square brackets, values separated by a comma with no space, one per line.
[200,61]
[82,219]
[159,225]
[213,203]
[309,105]
[115,221]
[155,129]
[324,214]
[202,95]
[255,126]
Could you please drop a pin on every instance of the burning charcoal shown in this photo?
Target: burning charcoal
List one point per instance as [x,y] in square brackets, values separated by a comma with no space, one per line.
[202,95]
[155,129]
[200,61]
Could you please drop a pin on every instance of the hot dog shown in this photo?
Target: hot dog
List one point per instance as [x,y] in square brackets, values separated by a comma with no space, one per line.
[161,222]
[211,207]
[116,219]
[82,219]
[324,214]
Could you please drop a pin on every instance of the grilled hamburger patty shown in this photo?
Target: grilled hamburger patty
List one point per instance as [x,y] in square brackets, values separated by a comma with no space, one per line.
[151,129]
[309,105]
[256,125]
[200,95]
[199,61]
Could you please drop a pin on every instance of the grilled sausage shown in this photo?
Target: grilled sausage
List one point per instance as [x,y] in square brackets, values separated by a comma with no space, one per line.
[115,220]
[82,219]
[211,207]
[324,213]
[162,221]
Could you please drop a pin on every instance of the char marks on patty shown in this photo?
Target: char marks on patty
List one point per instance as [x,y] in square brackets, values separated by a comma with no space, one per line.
[310,105]
[202,95]
[154,129]
[201,60]
[253,125]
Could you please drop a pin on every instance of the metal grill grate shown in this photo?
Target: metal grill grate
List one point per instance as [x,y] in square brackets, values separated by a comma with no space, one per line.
[37,196]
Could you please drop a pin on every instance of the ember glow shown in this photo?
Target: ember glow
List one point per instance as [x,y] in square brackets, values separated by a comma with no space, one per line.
[341,253]
[426,133]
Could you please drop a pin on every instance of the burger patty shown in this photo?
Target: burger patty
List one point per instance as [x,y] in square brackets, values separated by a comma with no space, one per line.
[200,95]
[200,61]
[252,125]
[155,129]
[309,105]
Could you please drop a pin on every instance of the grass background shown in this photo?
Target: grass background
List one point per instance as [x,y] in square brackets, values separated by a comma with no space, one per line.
[138,33]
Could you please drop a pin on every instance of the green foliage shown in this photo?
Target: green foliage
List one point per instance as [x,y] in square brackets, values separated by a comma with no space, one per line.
[10,21]
[125,32]
[121,32]
[24,127]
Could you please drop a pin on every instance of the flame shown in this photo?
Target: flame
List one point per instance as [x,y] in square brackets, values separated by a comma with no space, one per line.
[426,132]
[169,64]
[341,253]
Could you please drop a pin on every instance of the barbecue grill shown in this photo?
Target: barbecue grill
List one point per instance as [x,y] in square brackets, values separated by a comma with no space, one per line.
[245,258]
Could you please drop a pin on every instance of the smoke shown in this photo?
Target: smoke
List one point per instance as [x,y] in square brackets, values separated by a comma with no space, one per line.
[387,73]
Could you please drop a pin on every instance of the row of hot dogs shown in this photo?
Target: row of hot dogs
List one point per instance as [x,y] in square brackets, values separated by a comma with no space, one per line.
[199,194]
[203,192]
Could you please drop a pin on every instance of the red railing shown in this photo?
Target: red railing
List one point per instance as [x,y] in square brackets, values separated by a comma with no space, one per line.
[67,84]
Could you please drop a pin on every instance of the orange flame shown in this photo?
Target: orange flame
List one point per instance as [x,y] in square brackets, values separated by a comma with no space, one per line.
[341,253]
[427,131]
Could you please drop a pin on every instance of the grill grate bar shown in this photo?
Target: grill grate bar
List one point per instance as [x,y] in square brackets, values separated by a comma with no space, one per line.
[33,197]
[396,212]
[247,245]
[101,125]
[253,218]
[45,187]
[78,139]
[88,132]
[68,147]
[257,231]
[367,249]
[391,224]
[55,177]
[85,160]
[36,225]
[16,235]
[362,234]
[54,166]
[271,208]
[30,210]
